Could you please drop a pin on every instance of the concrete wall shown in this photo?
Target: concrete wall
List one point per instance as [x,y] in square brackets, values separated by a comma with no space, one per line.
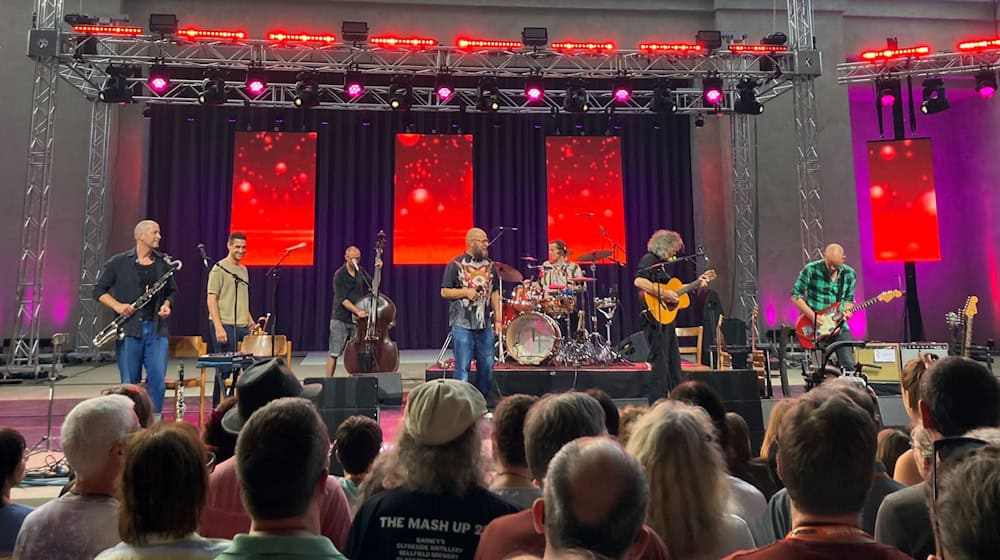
[843,27]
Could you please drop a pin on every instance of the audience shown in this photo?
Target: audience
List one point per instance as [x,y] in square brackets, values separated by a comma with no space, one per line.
[825,457]
[356,444]
[612,418]
[966,510]
[13,461]
[769,446]
[380,478]
[956,395]
[744,466]
[689,488]
[283,466]
[163,489]
[892,444]
[84,522]
[596,496]
[513,480]
[143,405]
[441,505]
[224,515]
[627,420]
[221,442]
[909,382]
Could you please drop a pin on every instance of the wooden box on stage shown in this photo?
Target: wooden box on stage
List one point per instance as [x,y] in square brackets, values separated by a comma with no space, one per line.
[882,354]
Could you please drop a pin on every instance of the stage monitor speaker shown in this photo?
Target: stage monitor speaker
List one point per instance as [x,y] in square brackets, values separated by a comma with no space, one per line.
[884,355]
[346,392]
[390,388]
[911,350]
[635,347]
[740,393]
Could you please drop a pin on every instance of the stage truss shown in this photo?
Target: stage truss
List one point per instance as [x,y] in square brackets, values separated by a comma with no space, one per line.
[795,69]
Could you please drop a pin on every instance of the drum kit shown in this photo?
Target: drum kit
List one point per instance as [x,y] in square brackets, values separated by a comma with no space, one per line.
[536,316]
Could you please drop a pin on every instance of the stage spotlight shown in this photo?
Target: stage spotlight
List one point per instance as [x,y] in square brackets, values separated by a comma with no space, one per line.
[354,84]
[535,36]
[159,78]
[164,24]
[709,40]
[444,87]
[213,89]
[711,91]
[116,87]
[886,97]
[986,83]
[256,81]
[400,93]
[746,102]
[488,94]
[934,97]
[699,121]
[534,88]
[306,90]
[354,31]
[663,99]
[575,100]
[621,89]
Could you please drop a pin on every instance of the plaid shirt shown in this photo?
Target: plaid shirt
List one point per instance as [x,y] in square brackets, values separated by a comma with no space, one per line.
[816,287]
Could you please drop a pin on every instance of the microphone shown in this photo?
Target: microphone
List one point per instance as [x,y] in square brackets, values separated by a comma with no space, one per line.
[507,227]
[701,252]
[296,247]
[204,255]
[586,214]
[356,265]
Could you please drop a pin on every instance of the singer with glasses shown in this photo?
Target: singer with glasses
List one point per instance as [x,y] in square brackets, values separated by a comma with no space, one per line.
[228,305]
[124,278]
[350,285]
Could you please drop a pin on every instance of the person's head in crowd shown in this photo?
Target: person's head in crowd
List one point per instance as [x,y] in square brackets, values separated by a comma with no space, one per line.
[739,437]
[381,476]
[357,442]
[768,446]
[140,398]
[627,420]
[260,384]
[923,451]
[826,454]
[222,443]
[440,445]
[93,439]
[957,395]
[966,510]
[863,397]
[909,384]
[703,395]
[892,444]
[13,461]
[612,418]
[164,484]
[596,497]
[508,431]
[553,422]
[675,444]
[282,462]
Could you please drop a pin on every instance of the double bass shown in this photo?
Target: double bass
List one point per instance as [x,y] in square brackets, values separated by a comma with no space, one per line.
[372,350]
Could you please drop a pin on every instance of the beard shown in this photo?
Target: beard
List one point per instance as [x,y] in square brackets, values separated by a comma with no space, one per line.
[480,254]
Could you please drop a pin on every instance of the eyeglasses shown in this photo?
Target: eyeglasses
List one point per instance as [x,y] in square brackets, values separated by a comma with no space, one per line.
[955,448]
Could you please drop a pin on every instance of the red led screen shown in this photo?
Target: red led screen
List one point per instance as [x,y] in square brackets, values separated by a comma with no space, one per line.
[585,192]
[433,205]
[904,204]
[274,195]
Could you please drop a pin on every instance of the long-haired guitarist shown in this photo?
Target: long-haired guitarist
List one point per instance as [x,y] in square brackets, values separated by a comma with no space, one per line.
[664,352]
[823,283]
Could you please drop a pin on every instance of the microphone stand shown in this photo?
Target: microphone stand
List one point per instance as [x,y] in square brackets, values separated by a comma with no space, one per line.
[275,273]
[502,355]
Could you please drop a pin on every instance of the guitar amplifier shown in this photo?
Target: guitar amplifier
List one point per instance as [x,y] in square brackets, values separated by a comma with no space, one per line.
[911,350]
[884,355]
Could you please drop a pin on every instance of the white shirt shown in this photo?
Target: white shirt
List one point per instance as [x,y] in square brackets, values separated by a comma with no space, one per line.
[747,502]
[70,527]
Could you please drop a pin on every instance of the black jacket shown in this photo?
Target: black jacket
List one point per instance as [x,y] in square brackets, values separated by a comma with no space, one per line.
[120,278]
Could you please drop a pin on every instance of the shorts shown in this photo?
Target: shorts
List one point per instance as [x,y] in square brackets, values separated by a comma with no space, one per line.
[340,333]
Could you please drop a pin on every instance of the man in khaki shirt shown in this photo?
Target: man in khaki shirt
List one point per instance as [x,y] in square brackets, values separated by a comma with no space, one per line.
[229,306]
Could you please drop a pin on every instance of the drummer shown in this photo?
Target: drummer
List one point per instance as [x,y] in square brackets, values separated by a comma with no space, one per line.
[558,270]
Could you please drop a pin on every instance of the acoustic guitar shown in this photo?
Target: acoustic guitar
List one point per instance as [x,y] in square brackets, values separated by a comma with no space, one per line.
[830,320]
[665,313]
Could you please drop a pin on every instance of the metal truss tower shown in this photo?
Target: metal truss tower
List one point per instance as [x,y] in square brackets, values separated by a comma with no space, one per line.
[745,205]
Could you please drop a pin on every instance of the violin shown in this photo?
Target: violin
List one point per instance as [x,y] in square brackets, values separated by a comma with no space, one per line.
[372,350]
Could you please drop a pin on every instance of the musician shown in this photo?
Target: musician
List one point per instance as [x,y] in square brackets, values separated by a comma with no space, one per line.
[472,287]
[229,322]
[664,351]
[350,286]
[124,278]
[822,283]
[559,269]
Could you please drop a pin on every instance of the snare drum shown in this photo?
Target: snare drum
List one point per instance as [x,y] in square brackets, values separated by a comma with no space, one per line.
[527,297]
[532,338]
[560,304]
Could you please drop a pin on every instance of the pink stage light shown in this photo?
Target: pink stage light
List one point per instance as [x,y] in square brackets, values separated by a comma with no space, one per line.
[533,93]
[444,93]
[256,86]
[159,84]
[713,96]
[622,95]
[987,91]
[355,89]
[887,99]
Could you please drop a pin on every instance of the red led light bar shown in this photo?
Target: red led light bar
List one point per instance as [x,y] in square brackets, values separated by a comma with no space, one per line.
[281,37]
[107,30]
[403,42]
[487,44]
[742,47]
[979,45]
[579,46]
[669,47]
[886,54]
[211,34]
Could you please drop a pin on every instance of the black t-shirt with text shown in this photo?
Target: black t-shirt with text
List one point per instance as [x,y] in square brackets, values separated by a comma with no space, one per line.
[345,286]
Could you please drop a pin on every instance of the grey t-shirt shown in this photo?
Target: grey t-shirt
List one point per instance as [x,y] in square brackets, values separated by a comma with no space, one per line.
[465,271]
[70,527]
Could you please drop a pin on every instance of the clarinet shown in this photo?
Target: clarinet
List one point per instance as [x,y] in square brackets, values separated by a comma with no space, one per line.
[179,411]
[114,329]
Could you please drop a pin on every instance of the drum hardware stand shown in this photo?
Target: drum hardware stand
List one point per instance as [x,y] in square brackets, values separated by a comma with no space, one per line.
[58,340]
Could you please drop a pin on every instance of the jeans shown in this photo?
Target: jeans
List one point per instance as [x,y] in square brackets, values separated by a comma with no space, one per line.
[474,342]
[845,354]
[235,336]
[148,350]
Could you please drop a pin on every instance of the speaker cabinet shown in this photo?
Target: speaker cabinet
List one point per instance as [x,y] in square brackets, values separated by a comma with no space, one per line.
[342,397]
[740,393]
[635,347]
[884,357]
[911,350]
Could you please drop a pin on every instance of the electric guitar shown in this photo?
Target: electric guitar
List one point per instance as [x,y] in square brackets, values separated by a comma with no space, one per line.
[665,313]
[968,313]
[830,320]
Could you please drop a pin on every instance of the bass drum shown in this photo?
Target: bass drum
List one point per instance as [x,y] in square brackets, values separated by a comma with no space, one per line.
[532,338]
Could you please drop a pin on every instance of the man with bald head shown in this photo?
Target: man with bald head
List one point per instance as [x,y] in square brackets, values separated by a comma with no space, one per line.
[350,286]
[124,278]
[822,283]
[471,286]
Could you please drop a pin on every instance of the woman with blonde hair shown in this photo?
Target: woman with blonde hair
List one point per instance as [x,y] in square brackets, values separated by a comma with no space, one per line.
[689,488]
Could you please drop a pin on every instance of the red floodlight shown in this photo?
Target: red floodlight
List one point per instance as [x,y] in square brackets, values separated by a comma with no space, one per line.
[743,47]
[108,30]
[279,37]
[980,45]
[670,47]
[488,44]
[403,42]
[194,34]
[583,46]
[888,54]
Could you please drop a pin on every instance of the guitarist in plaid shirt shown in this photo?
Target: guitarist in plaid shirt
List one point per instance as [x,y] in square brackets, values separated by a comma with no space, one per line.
[821,284]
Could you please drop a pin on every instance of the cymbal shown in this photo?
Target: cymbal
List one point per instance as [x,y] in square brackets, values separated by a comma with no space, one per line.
[594,256]
[527,258]
[554,286]
[507,273]
[582,279]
